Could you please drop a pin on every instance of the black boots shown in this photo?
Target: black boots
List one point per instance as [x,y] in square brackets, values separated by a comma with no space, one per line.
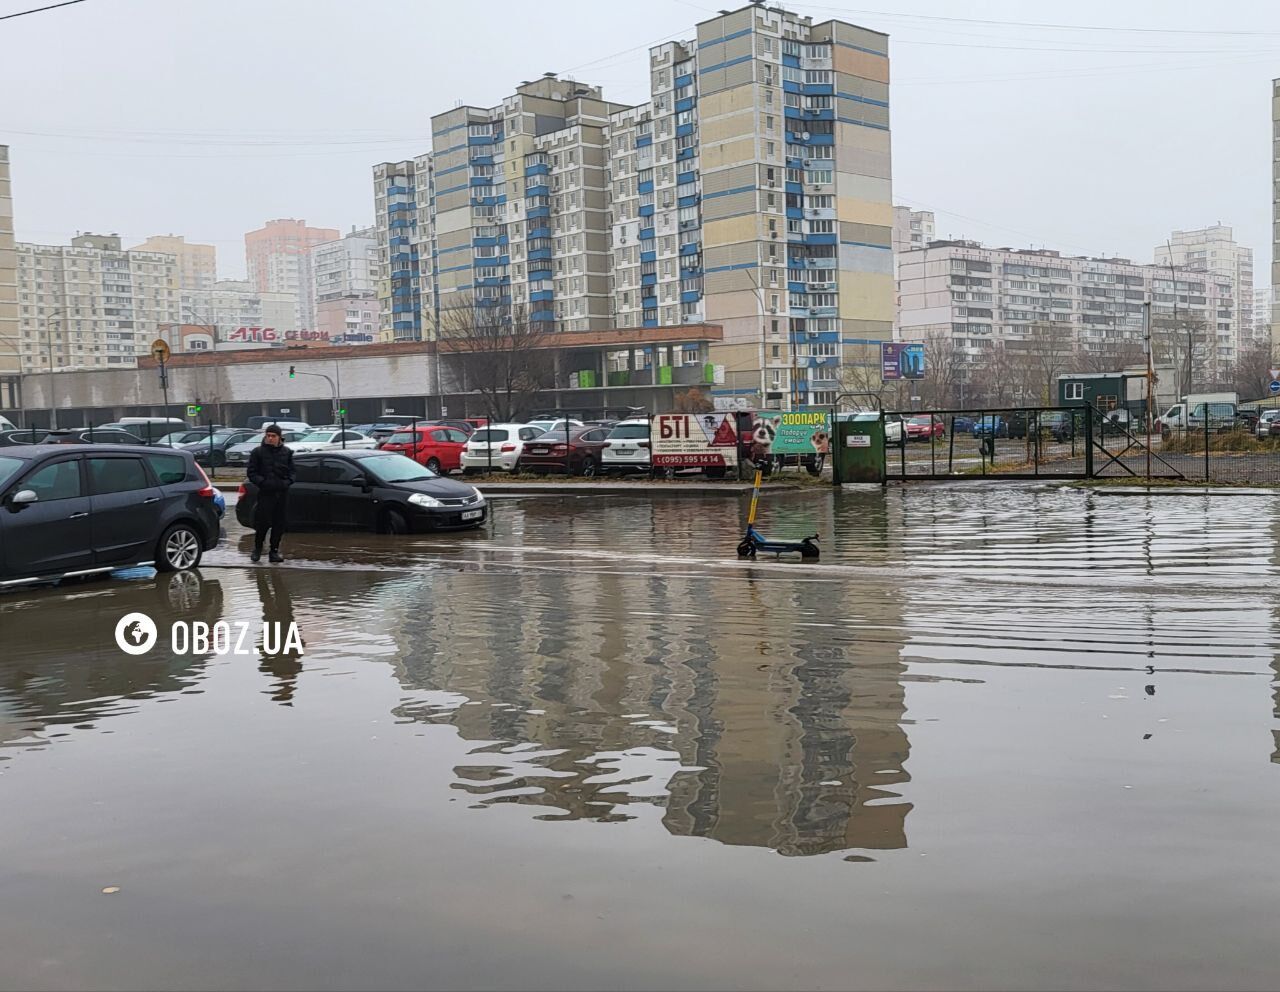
[275,557]
[255,555]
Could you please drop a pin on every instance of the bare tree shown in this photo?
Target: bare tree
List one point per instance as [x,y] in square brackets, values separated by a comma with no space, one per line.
[498,352]
[1181,340]
[995,377]
[1048,351]
[943,367]
[1252,373]
[860,374]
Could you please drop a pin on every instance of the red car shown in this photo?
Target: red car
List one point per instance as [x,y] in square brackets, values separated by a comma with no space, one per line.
[548,452]
[438,448]
[924,428]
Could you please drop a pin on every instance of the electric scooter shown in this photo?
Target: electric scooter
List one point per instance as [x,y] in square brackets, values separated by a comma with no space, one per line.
[753,542]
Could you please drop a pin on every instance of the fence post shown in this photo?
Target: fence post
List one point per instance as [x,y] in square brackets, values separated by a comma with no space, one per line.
[1088,441]
[413,426]
[651,465]
[213,468]
[1206,442]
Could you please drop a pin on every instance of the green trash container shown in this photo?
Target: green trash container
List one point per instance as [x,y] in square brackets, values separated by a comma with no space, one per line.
[859,448]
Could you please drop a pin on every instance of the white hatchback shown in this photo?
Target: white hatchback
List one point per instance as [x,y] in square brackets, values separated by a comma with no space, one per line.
[497,446]
[320,440]
[627,448]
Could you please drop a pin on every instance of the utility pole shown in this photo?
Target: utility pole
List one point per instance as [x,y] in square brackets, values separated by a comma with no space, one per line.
[48,343]
[1146,321]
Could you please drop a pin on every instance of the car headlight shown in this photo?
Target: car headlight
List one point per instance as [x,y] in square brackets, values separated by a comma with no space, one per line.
[422,499]
[479,496]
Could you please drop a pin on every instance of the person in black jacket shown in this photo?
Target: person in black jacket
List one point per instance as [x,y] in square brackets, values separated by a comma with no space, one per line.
[271,470]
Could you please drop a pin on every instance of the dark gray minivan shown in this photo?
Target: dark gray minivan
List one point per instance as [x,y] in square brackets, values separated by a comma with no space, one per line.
[78,509]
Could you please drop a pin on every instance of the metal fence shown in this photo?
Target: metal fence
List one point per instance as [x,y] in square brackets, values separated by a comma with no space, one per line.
[1081,443]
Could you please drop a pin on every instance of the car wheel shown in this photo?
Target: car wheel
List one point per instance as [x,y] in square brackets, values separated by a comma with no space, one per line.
[433,465]
[589,466]
[393,522]
[179,548]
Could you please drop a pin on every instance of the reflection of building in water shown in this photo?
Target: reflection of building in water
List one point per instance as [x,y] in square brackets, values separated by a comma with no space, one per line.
[60,664]
[782,689]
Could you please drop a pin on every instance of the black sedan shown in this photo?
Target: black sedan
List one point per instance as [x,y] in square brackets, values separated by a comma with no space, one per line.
[212,449]
[371,490]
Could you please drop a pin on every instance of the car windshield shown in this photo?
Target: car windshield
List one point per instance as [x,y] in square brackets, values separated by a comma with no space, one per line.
[626,431]
[8,467]
[489,435]
[325,436]
[396,468]
[920,421]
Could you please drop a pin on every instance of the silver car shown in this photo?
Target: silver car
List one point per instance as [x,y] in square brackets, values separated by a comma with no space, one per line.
[238,454]
[1268,424]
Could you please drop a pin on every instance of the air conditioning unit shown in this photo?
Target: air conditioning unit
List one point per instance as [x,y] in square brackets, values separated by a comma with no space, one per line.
[814,110]
[804,136]
[773,309]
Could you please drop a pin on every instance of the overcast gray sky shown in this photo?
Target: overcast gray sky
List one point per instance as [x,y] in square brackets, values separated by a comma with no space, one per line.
[207,117]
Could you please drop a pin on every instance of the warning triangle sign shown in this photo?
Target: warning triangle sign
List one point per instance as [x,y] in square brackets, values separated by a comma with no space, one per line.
[725,436]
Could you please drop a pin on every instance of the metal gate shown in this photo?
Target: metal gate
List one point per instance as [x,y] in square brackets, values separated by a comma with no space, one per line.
[1017,443]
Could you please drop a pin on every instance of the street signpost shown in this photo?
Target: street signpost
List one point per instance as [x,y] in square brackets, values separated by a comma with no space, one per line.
[160,352]
[1274,386]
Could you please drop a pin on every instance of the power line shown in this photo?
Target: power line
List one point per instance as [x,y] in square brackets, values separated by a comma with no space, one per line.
[37,10]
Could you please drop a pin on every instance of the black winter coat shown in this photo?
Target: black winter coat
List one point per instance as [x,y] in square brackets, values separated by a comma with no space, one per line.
[271,469]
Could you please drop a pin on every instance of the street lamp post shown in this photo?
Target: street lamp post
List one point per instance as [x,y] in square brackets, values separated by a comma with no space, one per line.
[333,388]
[48,342]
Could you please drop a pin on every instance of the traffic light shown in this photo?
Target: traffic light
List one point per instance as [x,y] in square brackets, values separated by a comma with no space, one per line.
[292,373]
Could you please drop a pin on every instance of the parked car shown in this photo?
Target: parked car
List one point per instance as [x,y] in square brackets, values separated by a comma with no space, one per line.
[262,423]
[553,426]
[211,449]
[371,490]
[95,435]
[962,425]
[1268,424]
[1058,424]
[150,429]
[176,438]
[331,437]
[1012,424]
[83,509]
[1247,419]
[626,449]
[550,452]
[1117,422]
[466,426]
[925,428]
[238,453]
[22,436]
[498,445]
[438,448]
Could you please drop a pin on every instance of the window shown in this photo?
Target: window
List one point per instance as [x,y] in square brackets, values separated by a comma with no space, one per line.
[61,480]
[336,472]
[1075,391]
[117,475]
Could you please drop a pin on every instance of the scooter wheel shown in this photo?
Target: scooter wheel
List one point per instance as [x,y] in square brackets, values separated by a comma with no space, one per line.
[746,549]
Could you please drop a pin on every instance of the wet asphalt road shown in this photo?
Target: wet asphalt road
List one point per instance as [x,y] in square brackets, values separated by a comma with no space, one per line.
[999,737]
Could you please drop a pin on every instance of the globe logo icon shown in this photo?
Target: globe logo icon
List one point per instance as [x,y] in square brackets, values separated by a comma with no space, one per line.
[135,633]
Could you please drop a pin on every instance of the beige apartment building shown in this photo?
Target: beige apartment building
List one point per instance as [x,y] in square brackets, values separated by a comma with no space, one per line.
[92,304]
[10,361]
[1213,250]
[197,264]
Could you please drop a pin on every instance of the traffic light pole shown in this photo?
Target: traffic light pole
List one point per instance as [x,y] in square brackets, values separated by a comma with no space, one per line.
[333,387]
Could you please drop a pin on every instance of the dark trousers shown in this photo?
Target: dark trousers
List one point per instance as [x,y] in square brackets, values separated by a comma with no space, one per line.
[268,515]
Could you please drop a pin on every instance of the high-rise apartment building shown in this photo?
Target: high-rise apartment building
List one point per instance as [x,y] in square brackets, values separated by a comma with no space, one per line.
[1213,250]
[912,228]
[278,256]
[1275,215]
[234,311]
[10,350]
[752,191]
[197,264]
[345,266]
[974,298]
[92,304]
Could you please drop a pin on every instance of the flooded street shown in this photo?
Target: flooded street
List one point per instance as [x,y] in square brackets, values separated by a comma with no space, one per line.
[999,737]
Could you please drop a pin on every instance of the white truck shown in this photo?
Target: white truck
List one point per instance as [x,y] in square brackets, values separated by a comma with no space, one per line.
[1191,412]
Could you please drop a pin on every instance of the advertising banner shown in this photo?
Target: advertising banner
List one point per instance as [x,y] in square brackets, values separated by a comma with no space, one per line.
[805,431]
[694,440]
[901,361]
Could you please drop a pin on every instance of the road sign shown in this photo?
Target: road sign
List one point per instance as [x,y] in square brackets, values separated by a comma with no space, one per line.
[160,350]
[1274,386]
[1275,373]
[193,410]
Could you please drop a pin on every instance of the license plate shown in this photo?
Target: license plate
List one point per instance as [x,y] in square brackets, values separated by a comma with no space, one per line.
[472,514]
[539,451]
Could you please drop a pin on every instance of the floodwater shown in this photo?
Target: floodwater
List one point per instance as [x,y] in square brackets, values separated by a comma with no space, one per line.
[999,737]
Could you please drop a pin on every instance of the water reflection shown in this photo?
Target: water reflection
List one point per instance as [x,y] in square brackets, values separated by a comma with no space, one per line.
[59,663]
[752,707]
[281,660]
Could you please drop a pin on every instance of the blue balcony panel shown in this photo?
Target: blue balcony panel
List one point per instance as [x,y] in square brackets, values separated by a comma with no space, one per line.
[535,213]
[691,296]
[687,177]
[644,141]
[646,234]
[686,153]
[646,210]
[649,279]
[689,249]
[540,169]
[688,201]
[682,130]
[542,296]
[645,187]
[648,256]
[685,80]
[649,322]
[539,253]
[684,104]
